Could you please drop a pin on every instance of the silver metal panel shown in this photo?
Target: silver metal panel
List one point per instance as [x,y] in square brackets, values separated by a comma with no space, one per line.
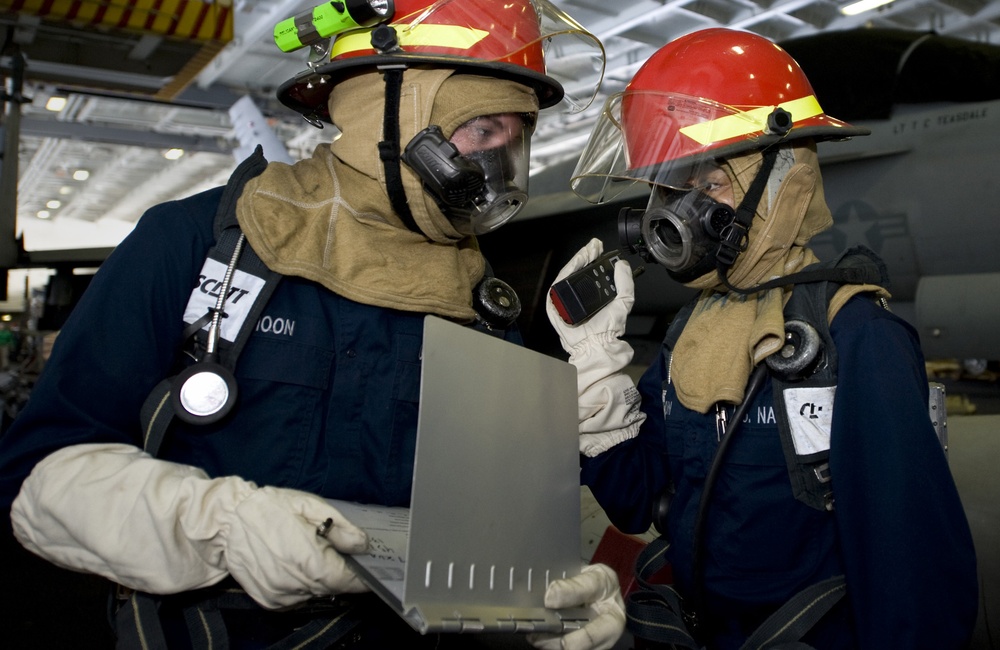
[497,468]
[938,409]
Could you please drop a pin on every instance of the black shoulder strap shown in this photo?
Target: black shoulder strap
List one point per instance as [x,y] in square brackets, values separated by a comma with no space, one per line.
[809,394]
[656,612]
[157,411]
[228,235]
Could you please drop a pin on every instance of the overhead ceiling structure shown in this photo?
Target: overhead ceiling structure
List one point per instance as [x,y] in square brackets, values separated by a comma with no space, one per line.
[140,78]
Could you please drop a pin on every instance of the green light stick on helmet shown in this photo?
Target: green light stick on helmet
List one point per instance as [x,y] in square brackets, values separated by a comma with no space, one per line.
[329,19]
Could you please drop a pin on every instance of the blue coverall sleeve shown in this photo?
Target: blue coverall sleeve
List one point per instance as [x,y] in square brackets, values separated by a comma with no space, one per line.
[119,342]
[628,479]
[907,549]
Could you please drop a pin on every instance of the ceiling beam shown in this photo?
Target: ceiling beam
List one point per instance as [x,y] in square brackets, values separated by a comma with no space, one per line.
[67,257]
[42,128]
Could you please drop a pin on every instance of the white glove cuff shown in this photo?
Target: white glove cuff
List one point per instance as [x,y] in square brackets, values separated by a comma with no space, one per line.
[602,345]
[608,400]
[594,444]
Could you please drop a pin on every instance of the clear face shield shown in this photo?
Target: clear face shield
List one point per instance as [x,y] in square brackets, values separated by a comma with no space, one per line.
[671,142]
[480,176]
[573,57]
[661,138]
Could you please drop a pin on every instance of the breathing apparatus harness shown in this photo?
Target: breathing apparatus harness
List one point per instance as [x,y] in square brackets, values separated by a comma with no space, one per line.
[206,391]
[807,361]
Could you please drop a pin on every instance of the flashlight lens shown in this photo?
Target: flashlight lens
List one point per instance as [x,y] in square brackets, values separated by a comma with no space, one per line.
[381,7]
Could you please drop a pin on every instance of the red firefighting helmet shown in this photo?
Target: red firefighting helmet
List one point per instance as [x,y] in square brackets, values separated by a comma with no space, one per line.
[702,97]
[501,38]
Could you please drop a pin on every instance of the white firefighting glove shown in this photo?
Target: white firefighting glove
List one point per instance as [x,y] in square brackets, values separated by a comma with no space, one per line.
[162,527]
[608,399]
[597,587]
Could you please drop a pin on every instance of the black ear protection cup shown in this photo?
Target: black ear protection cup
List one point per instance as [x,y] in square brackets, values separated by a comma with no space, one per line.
[801,353]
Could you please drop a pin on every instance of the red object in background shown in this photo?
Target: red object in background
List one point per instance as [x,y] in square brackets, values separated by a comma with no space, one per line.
[619,551]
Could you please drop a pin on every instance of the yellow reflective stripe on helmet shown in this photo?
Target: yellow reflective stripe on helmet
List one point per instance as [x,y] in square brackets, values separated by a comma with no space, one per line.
[745,122]
[451,36]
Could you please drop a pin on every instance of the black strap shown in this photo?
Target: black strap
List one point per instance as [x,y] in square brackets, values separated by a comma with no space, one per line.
[227,235]
[809,302]
[797,616]
[249,263]
[138,625]
[388,148]
[319,633]
[252,166]
[655,611]
[844,275]
[157,412]
[733,238]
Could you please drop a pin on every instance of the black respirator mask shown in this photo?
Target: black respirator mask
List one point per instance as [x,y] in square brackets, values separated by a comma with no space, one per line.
[679,229]
[690,233]
[478,191]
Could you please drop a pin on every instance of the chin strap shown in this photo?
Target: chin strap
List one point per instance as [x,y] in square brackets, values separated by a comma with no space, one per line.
[735,237]
[388,148]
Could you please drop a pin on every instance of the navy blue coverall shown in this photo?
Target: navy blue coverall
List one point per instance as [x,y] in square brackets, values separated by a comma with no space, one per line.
[897,532]
[328,387]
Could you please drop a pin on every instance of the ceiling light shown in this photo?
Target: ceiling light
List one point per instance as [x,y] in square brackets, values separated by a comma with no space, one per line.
[65,189]
[81,175]
[55,103]
[53,204]
[43,214]
[173,154]
[862,6]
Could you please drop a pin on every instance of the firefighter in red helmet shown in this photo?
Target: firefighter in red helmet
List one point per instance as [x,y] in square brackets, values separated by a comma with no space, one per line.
[774,441]
[195,440]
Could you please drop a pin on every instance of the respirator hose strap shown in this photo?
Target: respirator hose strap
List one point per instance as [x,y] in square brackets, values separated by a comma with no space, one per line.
[388,148]
[734,237]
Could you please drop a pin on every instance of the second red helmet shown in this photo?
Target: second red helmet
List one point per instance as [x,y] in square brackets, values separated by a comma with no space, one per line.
[703,96]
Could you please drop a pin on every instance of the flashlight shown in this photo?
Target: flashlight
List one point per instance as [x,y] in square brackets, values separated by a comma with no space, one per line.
[328,19]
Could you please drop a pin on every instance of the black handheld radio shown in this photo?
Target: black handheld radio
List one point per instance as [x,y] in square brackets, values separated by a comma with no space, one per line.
[583,293]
